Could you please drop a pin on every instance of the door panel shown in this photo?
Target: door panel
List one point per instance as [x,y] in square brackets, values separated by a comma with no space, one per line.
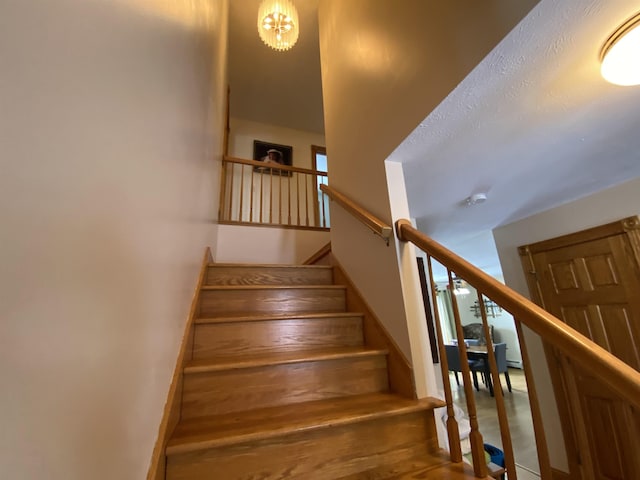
[591,281]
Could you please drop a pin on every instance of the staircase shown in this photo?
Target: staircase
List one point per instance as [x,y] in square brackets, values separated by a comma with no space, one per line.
[282,385]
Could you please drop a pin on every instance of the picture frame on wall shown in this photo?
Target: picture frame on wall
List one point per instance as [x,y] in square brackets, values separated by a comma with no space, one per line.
[272,154]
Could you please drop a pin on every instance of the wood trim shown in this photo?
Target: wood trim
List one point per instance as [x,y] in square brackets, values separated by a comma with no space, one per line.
[619,227]
[286,168]
[378,226]
[622,378]
[272,225]
[172,407]
[376,336]
[227,124]
[560,475]
[319,255]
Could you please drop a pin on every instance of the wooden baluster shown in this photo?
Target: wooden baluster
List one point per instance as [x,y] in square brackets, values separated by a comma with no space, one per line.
[503,421]
[240,214]
[298,197]
[534,405]
[324,214]
[280,199]
[251,196]
[223,188]
[475,437]
[231,192]
[289,192]
[270,195]
[306,197]
[453,431]
[261,194]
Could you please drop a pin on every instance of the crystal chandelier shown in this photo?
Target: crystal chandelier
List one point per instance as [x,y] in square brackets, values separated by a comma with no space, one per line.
[278,24]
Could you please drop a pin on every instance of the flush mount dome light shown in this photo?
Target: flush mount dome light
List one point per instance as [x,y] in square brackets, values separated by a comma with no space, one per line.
[278,25]
[620,55]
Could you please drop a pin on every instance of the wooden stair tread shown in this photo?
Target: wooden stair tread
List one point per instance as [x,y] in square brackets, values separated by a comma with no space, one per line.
[270,265]
[290,316]
[271,287]
[450,471]
[389,471]
[258,424]
[260,360]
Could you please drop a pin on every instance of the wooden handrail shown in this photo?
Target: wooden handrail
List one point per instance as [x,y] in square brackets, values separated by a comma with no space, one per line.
[615,373]
[373,223]
[275,166]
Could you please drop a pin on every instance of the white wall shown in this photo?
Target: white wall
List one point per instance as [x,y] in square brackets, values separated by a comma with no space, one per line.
[603,207]
[378,62]
[110,131]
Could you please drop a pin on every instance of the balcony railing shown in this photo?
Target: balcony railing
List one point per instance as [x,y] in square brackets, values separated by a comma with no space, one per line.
[270,194]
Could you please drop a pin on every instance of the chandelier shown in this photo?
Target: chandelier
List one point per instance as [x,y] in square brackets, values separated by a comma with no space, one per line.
[278,24]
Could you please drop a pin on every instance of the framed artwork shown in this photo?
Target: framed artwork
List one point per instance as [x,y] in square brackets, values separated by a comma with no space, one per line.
[272,154]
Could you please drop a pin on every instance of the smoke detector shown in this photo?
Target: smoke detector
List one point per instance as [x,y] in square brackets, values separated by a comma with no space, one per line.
[476,198]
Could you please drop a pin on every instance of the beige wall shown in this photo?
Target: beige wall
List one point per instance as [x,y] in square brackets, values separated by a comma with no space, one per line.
[244,132]
[242,244]
[109,148]
[385,66]
[603,207]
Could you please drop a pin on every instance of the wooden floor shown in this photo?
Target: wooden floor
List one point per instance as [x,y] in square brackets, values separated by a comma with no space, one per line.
[520,422]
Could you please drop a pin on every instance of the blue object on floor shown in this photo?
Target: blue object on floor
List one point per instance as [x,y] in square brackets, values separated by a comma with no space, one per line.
[497,455]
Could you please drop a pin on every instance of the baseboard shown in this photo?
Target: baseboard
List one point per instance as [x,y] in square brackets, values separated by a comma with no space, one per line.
[171,413]
[321,257]
[375,334]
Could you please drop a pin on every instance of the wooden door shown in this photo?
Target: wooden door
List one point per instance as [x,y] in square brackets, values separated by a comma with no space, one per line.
[591,281]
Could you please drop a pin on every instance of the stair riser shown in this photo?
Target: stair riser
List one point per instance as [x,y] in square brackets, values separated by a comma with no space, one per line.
[324,454]
[224,275]
[271,301]
[262,337]
[225,391]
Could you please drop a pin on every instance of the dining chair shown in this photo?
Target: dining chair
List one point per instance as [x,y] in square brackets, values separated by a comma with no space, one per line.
[500,352]
[453,360]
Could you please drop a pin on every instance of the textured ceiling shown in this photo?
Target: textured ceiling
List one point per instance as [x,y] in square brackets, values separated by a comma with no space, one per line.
[279,88]
[533,126]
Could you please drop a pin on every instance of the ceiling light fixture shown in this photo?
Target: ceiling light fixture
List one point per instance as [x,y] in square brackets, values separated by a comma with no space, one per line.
[278,24]
[620,55]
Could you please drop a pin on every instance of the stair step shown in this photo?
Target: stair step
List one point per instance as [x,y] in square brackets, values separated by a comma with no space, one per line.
[410,467]
[241,274]
[281,358]
[211,388]
[271,299]
[263,423]
[323,440]
[225,337]
[450,471]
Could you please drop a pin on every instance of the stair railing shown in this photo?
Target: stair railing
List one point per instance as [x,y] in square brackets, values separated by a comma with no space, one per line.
[608,369]
[574,347]
[258,193]
[373,223]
